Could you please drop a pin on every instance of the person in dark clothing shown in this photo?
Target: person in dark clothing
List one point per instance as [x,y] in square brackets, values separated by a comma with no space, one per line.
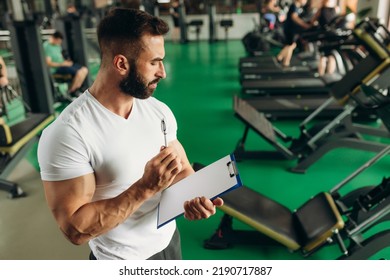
[149,6]
[270,9]
[293,26]
[324,15]
[174,11]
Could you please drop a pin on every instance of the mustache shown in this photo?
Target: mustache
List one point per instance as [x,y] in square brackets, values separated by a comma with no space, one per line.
[155,81]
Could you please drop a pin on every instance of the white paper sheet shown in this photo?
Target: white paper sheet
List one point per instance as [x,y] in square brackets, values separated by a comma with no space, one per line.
[210,182]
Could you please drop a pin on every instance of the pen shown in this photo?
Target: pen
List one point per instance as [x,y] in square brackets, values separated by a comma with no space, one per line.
[164,131]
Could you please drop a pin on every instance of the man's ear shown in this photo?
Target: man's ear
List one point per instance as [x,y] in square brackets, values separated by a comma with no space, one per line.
[121,64]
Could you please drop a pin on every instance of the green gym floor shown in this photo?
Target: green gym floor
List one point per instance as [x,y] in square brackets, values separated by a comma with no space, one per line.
[201,81]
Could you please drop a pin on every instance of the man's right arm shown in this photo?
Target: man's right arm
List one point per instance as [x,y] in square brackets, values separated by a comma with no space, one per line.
[3,73]
[82,219]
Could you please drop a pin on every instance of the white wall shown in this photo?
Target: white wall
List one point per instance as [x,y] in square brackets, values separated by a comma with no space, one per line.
[242,24]
[380,8]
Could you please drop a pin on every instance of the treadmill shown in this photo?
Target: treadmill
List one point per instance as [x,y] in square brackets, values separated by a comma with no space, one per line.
[267,80]
[302,62]
[298,106]
[289,107]
[340,53]
[269,64]
[301,85]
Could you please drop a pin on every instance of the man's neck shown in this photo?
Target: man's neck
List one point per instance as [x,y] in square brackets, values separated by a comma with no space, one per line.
[109,95]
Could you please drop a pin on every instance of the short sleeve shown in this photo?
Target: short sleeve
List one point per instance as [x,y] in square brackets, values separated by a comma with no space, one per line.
[62,153]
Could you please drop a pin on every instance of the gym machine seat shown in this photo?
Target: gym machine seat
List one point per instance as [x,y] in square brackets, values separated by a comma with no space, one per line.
[15,141]
[197,23]
[326,218]
[226,24]
[61,84]
[18,132]
[306,229]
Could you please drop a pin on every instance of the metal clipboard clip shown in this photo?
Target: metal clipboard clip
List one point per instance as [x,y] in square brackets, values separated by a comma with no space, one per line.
[232,168]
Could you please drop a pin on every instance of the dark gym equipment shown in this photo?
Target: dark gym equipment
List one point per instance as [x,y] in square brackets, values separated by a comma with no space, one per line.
[226,24]
[182,23]
[36,96]
[197,24]
[211,11]
[280,106]
[264,75]
[32,70]
[75,41]
[17,139]
[318,139]
[255,43]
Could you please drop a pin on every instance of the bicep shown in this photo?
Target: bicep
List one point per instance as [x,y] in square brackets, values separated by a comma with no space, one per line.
[49,61]
[65,197]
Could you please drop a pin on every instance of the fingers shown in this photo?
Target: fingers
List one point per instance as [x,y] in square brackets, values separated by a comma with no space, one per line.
[172,161]
[164,153]
[218,202]
[162,169]
[200,208]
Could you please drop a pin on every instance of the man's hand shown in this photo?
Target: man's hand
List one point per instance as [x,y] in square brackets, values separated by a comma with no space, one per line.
[201,208]
[161,170]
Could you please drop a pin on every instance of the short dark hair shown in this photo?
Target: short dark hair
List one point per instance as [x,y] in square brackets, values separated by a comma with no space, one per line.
[120,31]
[58,35]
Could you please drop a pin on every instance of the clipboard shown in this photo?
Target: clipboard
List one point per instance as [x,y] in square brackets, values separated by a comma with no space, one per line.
[211,181]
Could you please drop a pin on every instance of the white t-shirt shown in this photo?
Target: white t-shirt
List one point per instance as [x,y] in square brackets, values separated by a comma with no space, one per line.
[88,138]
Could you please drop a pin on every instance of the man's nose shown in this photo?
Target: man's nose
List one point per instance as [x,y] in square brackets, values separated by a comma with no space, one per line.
[161,71]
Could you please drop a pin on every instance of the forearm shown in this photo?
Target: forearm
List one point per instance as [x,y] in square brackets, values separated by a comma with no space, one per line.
[81,219]
[96,218]
[56,64]
[3,69]
[187,171]
[53,64]
[302,23]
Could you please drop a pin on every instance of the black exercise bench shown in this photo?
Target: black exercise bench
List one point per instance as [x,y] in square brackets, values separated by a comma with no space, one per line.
[326,218]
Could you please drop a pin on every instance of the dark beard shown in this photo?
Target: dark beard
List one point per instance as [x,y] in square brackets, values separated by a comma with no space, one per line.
[135,86]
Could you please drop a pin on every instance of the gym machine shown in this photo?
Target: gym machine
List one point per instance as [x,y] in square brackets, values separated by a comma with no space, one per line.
[182,23]
[212,10]
[30,62]
[264,75]
[336,41]
[299,106]
[320,138]
[74,40]
[17,138]
[327,218]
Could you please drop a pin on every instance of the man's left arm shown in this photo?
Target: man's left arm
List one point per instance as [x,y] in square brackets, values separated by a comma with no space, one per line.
[187,169]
